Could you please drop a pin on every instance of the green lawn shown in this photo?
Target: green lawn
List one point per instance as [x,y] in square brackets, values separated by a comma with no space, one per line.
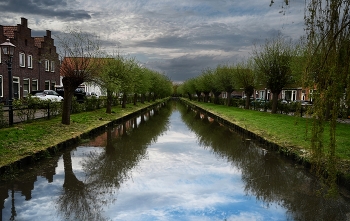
[287,131]
[26,139]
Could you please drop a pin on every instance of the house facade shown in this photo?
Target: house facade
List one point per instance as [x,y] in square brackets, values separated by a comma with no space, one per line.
[35,63]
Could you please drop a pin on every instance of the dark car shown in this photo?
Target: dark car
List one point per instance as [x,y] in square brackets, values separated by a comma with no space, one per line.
[79,93]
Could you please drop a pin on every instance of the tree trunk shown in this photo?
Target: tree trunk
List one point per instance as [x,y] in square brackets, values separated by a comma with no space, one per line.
[274,102]
[124,100]
[69,86]
[198,96]
[143,98]
[189,96]
[135,99]
[247,102]
[206,97]
[109,102]
[67,105]
[248,93]
[228,99]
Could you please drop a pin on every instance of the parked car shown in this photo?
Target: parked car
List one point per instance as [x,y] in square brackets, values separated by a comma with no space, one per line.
[79,93]
[92,94]
[47,95]
[283,101]
[303,103]
[235,96]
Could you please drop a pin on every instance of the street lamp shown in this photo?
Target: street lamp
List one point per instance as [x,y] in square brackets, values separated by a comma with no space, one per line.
[8,49]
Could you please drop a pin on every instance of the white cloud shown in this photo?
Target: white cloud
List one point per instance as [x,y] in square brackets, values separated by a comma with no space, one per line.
[166,31]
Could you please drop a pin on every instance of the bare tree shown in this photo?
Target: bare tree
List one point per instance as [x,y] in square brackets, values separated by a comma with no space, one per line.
[81,61]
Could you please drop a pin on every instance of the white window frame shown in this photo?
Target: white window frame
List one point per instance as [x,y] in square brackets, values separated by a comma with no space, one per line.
[22,59]
[30,61]
[37,84]
[48,83]
[52,66]
[26,79]
[53,85]
[16,80]
[47,65]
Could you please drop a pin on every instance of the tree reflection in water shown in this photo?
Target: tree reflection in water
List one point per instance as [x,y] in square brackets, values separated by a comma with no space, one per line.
[266,175]
[105,171]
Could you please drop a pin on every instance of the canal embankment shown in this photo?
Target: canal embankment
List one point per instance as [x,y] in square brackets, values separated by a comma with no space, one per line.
[26,143]
[289,135]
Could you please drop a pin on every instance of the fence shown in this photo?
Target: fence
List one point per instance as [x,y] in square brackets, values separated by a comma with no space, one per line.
[30,109]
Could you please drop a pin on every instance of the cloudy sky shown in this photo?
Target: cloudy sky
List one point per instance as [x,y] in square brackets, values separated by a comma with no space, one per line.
[179,38]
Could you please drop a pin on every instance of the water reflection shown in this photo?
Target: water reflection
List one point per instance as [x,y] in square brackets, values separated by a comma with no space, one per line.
[171,163]
[269,178]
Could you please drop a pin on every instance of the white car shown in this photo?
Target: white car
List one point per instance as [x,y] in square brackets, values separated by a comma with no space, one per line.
[47,95]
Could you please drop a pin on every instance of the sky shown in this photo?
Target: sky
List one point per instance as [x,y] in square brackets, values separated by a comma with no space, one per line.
[178,38]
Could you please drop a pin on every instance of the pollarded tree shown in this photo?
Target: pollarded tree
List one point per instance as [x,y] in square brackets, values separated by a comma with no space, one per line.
[161,85]
[273,66]
[189,88]
[110,79]
[205,83]
[81,62]
[211,77]
[246,79]
[225,80]
[143,82]
[197,87]
[127,77]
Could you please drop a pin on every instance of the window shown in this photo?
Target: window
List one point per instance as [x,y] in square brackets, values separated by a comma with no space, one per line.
[52,66]
[25,87]
[30,61]
[34,85]
[53,84]
[16,87]
[47,65]
[22,60]
[47,85]
[1,89]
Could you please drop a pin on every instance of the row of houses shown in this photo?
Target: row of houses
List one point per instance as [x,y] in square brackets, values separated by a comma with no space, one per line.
[35,63]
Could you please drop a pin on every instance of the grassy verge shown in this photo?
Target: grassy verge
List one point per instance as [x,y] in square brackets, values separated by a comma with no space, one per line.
[291,132]
[26,139]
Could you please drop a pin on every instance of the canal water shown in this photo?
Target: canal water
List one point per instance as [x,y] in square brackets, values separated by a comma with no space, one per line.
[170,163]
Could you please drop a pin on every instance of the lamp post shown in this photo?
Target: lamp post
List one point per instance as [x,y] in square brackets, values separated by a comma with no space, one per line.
[8,49]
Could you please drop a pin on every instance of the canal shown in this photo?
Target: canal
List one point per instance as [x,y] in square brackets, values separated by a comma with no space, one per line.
[169,163]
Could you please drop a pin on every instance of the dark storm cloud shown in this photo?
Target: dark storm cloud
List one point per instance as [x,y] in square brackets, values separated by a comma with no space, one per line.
[186,67]
[52,8]
[179,38]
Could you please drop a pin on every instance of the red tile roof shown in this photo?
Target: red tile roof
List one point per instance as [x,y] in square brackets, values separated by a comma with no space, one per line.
[9,31]
[38,40]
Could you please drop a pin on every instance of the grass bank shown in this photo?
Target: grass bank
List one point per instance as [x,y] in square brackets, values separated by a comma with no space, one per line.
[289,132]
[27,139]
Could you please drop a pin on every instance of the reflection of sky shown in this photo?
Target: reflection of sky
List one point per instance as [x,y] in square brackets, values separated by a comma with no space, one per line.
[178,181]
[182,181]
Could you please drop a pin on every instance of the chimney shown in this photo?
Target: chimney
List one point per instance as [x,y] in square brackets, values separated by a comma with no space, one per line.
[48,33]
[24,22]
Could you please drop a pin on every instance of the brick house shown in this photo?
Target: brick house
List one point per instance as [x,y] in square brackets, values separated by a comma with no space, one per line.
[35,63]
